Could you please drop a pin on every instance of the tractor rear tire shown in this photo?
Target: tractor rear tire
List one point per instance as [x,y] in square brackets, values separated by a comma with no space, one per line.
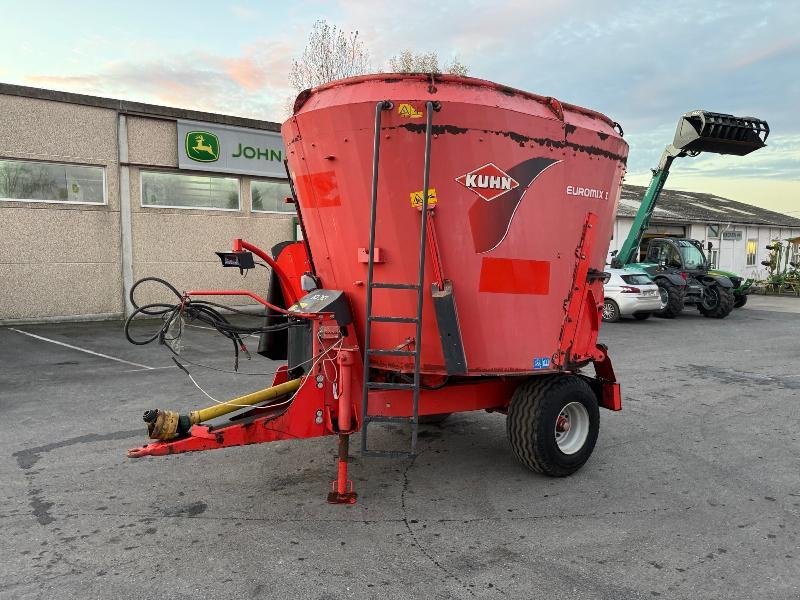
[739,301]
[675,296]
[721,303]
[552,424]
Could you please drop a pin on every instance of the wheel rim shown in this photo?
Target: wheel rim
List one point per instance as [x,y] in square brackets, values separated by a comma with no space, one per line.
[572,427]
[608,311]
[711,299]
[664,297]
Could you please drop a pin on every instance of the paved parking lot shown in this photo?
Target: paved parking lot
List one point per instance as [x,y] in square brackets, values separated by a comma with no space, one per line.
[693,490]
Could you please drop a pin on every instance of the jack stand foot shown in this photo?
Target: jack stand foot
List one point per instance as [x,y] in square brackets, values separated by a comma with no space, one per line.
[342,489]
[345,498]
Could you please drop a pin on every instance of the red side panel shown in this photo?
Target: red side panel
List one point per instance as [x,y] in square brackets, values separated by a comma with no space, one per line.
[514,276]
[293,260]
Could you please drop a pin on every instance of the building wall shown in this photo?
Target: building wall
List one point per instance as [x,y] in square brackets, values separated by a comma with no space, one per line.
[67,260]
[59,259]
[731,254]
[178,244]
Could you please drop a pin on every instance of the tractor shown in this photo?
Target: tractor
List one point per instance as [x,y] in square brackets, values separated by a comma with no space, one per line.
[679,266]
[712,293]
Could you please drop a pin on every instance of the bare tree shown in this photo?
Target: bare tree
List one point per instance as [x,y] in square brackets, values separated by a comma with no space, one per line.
[424,62]
[330,53]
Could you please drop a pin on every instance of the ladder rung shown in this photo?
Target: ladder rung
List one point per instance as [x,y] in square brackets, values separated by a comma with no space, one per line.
[375,385]
[382,419]
[388,454]
[390,352]
[382,319]
[396,286]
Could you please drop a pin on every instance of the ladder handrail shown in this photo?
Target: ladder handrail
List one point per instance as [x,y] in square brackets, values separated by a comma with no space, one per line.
[423,241]
[380,106]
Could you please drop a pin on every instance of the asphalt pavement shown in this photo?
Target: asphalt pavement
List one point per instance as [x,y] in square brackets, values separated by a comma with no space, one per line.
[693,490]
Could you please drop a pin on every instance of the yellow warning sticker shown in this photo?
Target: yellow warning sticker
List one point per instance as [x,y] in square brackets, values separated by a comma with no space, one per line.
[408,111]
[416,198]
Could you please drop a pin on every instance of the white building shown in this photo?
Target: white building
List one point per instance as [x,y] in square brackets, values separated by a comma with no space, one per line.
[739,232]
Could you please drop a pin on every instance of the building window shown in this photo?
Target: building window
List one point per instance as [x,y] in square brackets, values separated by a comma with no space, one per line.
[51,182]
[178,190]
[713,232]
[270,196]
[752,248]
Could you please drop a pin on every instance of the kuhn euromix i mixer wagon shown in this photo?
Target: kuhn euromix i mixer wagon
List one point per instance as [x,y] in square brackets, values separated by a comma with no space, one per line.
[455,232]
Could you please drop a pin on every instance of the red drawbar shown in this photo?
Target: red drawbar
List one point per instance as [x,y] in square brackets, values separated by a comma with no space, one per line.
[514,276]
[319,190]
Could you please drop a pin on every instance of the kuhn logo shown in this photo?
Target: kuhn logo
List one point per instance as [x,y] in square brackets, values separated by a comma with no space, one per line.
[488,181]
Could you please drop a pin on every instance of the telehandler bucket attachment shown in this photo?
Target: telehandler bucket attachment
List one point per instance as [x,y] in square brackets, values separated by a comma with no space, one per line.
[703,131]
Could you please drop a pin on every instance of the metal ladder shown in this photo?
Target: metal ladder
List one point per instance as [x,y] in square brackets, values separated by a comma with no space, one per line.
[371,318]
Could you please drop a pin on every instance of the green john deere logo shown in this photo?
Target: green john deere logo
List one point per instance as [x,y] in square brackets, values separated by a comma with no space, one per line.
[202,146]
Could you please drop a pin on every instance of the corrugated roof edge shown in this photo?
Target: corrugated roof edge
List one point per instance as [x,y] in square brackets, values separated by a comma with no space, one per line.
[135,108]
[679,203]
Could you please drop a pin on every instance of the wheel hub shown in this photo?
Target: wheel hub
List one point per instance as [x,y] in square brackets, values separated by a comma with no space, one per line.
[572,427]
[562,424]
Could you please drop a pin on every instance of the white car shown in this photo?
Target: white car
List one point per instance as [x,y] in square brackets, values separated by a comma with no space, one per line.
[630,293]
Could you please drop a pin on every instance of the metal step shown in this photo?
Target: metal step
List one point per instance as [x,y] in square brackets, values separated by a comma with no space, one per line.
[396,286]
[390,352]
[388,454]
[382,419]
[376,385]
[382,319]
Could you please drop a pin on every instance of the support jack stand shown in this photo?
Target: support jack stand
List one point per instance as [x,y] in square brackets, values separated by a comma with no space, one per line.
[342,489]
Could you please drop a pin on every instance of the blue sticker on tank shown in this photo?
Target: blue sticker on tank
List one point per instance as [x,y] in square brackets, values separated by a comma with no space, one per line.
[541,363]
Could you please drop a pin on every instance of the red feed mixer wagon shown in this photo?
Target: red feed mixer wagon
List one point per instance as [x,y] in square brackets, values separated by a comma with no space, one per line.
[455,234]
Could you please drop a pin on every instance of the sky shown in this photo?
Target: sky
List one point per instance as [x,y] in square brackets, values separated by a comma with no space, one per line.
[643,63]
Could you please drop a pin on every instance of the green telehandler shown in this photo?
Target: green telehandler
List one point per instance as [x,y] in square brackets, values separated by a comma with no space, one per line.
[679,266]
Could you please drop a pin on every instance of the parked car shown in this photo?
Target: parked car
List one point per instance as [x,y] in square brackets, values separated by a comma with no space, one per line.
[631,293]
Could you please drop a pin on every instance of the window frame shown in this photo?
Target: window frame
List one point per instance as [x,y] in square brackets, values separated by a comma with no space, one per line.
[238,180]
[717,235]
[60,164]
[748,254]
[253,180]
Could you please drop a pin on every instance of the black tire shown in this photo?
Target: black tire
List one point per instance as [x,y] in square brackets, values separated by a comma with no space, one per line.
[433,419]
[675,296]
[642,316]
[739,301]
[719,303]
[610,311]
[532,417]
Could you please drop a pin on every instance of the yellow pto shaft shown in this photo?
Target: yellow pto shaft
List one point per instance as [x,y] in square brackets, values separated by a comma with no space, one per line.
[167,424]
[212,412]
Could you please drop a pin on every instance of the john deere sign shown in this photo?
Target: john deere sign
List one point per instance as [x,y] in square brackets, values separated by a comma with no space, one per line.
[226,149]
[202,146]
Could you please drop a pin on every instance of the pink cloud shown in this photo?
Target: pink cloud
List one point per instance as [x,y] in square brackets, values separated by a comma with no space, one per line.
[244,71]
[252,84]
[758,55]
